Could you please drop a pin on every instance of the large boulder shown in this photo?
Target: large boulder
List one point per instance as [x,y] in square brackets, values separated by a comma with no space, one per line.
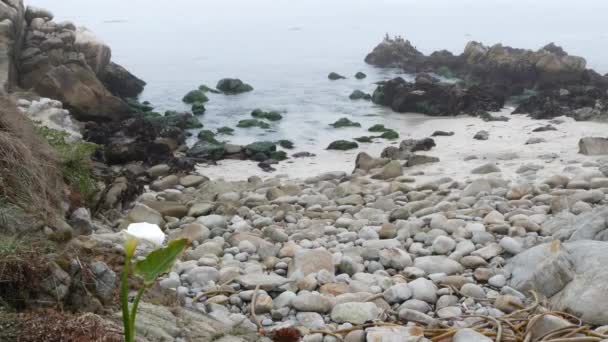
[68,64]
[593,146]
[80,90]
[120,81]
[233,86]
[396,52]
[437,99]
[572,275]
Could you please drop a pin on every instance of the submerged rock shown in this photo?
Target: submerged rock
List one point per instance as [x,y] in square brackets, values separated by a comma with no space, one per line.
[345,122]
[195,96]
[233,86]
[359,95]
[271,116]
[248,123]
[335,76]
[342,145]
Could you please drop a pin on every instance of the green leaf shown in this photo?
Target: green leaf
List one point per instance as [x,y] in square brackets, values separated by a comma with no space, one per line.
[159,261]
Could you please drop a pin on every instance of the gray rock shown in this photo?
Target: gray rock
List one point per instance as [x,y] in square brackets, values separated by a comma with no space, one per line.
[200,209]
[365,162]
[105,280]
[192,180]
[473,290]
[394,334]
[408,315]
[310,320]
[306,262]
[476,187]
[449,312]
[443,245]
[159,170]
[573,275]
[419,159]
[416,304]
[469,335]
[311,302]
[510,245]
[445,301]
[395,258]
[498,280]
[481,135]
[355,313]
[485,169]
[423,289]
[165,183]
[489,251]
[391,170]
[593,146]
[268,282]
[535,140]
[397,293]
[143,213]
[213,221]
[547,324]
[201,275]
[438,264]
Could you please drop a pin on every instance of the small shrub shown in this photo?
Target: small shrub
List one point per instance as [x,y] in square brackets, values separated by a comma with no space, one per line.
[74,159]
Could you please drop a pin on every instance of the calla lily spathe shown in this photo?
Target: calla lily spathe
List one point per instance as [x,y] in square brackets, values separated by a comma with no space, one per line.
[147,231]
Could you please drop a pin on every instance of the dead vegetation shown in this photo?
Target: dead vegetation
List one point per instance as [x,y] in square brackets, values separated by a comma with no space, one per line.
[54,326]
[30,181]
[23,266]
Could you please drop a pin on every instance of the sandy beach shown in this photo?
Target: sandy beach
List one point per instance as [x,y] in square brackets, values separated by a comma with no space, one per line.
[506,147]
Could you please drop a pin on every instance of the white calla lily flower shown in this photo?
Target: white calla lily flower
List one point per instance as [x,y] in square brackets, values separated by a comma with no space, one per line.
[147,231]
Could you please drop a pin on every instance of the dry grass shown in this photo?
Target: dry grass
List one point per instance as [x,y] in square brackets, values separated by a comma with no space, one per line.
[54,326]
[30,178]
[23,266]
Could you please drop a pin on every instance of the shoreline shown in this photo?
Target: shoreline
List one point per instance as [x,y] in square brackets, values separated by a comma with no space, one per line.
[506,139]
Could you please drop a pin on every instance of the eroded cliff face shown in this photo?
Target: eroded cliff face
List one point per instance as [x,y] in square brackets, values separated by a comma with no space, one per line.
[12,27]
[63,62]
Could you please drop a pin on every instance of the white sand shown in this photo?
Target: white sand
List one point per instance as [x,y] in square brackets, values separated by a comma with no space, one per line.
[506,138]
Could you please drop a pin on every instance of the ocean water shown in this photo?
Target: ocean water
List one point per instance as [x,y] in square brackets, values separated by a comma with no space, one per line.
[286,48]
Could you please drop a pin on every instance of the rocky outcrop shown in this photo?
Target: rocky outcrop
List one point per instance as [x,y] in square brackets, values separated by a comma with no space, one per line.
[437,99]
[62,62]
[495,64]
[561,83]
[12,27]
[581,102]
[397,53]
